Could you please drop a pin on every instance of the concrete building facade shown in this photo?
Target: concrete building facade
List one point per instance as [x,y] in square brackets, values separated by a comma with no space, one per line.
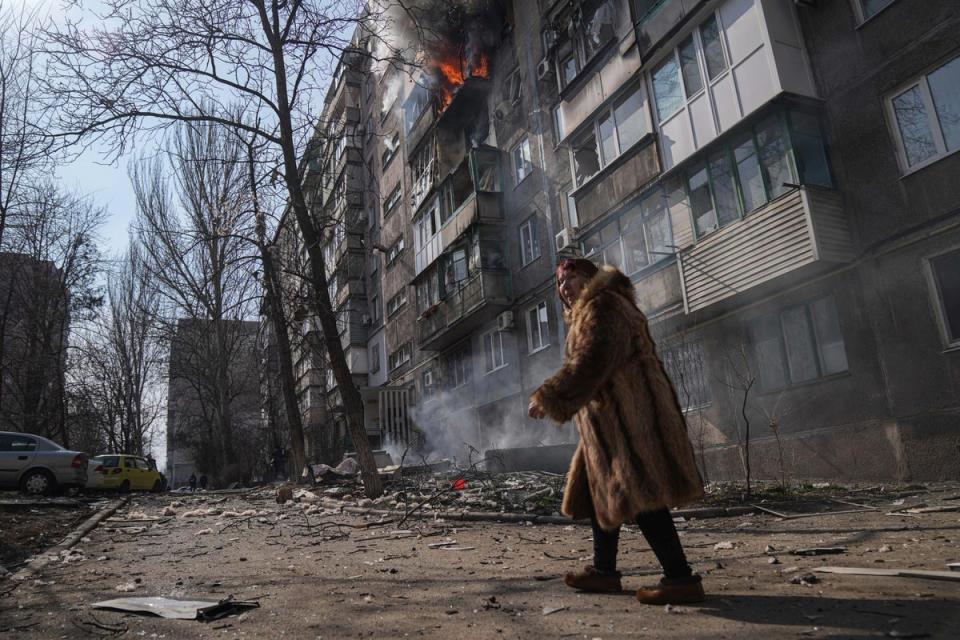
[774,176]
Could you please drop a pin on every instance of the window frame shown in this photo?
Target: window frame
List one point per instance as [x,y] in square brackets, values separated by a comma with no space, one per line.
[706,81]
[592,127]
[403,355]
[614,219]
[397,302]
[921,81]
[530,224]
[950,343]
[544,340]
[524,144]
[395,252]
[389,154]
[815,341]
[503,356]
[513,83]
[460,361]
[574,46]
[702,158]
[393,199]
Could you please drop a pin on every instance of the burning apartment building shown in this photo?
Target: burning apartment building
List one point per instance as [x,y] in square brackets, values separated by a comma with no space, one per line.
[789,222]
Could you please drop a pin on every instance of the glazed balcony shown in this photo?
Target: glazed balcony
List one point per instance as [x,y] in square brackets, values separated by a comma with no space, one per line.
[800,234]
[470,195]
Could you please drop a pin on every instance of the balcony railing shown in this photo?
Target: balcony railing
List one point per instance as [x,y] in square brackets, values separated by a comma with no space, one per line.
[475,301]
[422,185]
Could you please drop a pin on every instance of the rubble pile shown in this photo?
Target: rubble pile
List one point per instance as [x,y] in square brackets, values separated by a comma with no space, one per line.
[453,489]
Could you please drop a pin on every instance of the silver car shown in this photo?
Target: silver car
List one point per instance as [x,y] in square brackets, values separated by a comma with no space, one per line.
[38,466]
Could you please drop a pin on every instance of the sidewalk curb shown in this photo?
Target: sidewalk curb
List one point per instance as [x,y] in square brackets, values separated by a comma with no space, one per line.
[484,516]
[72,538]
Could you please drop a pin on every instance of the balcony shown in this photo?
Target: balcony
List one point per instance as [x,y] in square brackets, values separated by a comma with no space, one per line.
[800,234]
[471,194]
[661,20]
[477,301]
[423,185]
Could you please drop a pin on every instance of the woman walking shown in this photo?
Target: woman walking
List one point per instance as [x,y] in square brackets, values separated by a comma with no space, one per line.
[634,460]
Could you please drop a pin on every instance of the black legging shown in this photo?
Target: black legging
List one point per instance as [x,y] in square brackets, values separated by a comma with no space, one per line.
[661,534]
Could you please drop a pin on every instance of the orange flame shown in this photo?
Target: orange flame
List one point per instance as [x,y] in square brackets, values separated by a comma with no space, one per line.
[451,74]
[482,68]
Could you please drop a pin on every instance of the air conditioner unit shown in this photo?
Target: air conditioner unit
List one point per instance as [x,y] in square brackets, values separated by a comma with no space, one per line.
[544,68]
[505,321]
[563,241]
[366,320]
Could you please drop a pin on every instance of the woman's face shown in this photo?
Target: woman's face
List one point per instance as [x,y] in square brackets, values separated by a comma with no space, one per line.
[571,284]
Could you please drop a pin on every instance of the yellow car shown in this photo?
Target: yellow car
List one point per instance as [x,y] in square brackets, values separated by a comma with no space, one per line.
[125,473]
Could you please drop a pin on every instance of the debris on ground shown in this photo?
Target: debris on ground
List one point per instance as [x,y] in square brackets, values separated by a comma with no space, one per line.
[203,610]
[892,573]
[819,551]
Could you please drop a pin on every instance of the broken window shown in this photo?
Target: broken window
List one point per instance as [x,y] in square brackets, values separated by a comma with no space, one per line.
[775,155]
[701,201]
[460,186]
[428,291]
[529,242]
[618,127]
[391,146]
[586,160]
[415,106]
[456,269]
[486,164]
[522,163]
[599,26]
[538,329]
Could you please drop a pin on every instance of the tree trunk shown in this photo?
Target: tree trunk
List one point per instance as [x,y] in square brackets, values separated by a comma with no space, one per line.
[350,395]
[287,382]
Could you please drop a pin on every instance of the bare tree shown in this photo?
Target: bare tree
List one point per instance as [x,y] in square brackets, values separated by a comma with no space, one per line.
[48,281]
[276,312]
[23,146]
[192,230]
[256,66]
[119,361]
[741,376]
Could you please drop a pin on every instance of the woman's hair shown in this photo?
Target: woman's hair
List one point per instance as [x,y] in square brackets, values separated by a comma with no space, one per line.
[581,265]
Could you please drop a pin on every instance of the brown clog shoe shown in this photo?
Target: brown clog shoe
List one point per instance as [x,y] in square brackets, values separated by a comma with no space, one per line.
[686,591]
[594,581]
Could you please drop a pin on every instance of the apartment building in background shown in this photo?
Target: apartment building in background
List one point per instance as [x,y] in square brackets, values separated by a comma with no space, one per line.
[214,420]
[773,175]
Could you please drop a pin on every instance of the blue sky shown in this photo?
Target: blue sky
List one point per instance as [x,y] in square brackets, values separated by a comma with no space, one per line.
[109,186]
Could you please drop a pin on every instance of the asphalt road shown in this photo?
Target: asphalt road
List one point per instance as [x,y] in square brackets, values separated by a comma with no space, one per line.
[324,575]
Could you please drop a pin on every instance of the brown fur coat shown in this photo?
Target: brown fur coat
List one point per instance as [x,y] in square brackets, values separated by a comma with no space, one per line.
[634,453]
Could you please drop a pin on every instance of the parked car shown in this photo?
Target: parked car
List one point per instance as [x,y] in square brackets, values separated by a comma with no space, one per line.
[39,466]
[125,473]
